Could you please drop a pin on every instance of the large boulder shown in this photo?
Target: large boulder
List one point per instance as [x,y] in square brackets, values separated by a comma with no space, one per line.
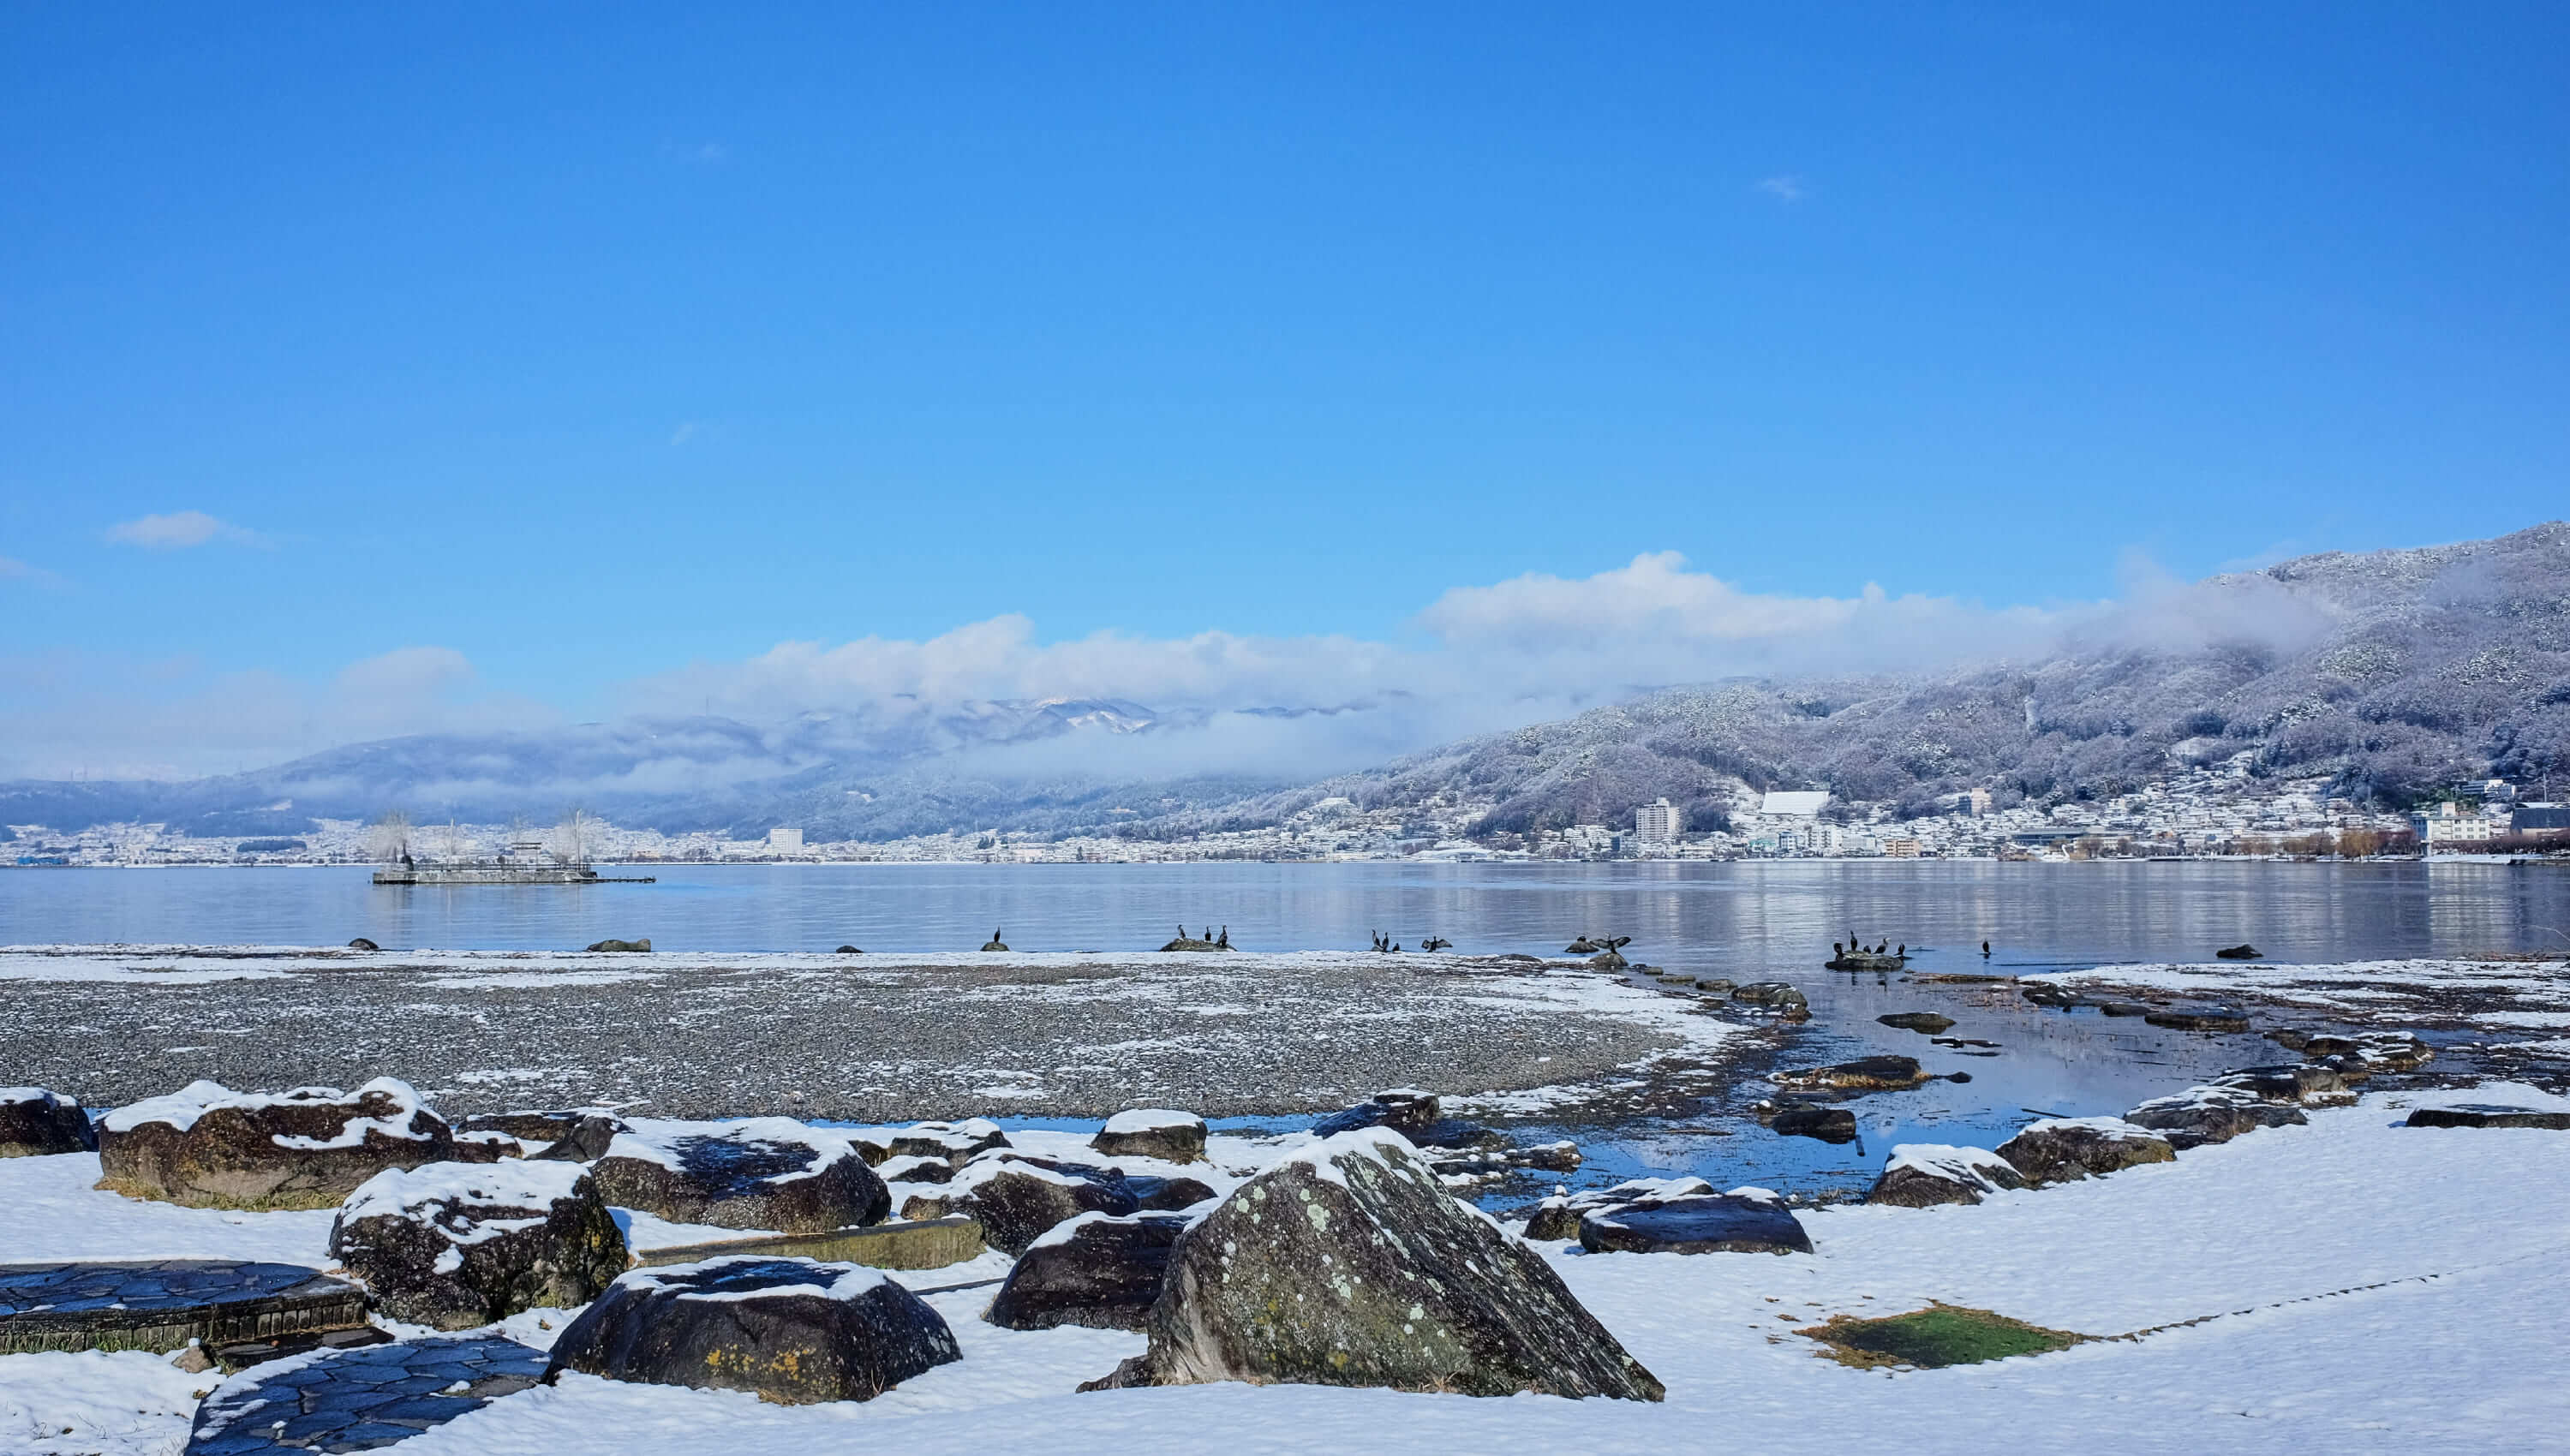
[2200,1116]
[1096,1269]
[1557,1218]
[1016,1196]
[2489,1113]
[35,1123]
[792,1330]
[947,1141]
[2062,1149]
[1743,1221]
[759,1173]
[1172,1137]
[1813,1120]
[1406,1110]
[1348,1264]
[1774,996]
[459,1245]
[208,1146]
[1924,1175]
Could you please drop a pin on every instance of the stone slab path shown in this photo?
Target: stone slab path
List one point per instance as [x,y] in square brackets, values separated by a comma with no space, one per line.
[356,1400]
[162,1303]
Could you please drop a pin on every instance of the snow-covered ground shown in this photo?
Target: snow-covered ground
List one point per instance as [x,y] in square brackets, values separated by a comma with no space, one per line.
[2362,989]
[2356,1286]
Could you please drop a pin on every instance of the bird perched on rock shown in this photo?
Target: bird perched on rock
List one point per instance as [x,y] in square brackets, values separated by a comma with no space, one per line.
[996,943]
[1434,943]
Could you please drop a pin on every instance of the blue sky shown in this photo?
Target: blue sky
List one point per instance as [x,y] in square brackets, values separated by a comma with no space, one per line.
[575,359]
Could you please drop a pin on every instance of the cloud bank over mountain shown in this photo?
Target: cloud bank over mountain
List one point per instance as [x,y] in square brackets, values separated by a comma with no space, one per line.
[1212,705]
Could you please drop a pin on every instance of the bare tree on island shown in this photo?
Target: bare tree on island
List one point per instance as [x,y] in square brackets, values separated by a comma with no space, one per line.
[571,837]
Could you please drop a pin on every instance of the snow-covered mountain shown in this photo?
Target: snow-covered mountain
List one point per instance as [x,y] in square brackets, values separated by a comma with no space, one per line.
[2395,672]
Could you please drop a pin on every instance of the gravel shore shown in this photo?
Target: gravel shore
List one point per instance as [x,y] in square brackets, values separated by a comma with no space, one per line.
[843,1038]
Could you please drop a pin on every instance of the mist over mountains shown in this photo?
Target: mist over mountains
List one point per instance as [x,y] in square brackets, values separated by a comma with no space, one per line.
[2396,673]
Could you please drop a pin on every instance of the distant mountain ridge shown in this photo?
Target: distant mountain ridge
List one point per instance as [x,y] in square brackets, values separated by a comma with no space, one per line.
[2397,673]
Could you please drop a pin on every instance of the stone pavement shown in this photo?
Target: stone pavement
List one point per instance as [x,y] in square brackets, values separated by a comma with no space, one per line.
[355,1400]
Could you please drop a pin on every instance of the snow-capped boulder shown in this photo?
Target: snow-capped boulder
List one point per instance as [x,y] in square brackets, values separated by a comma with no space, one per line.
[573,1137]
[908,1168]
[208,1146]
[1922,1175]
[1557,1218]
[2357,1057]
[1016,1196]
[2060,1149]
[35,1123]
[950,1141]
[759,1173]
[459,1245]
[1865,1074]
[1096,1269]
[792,1330]
[2212,1114]
[2303,1083]
[1743,1221]
[1406,1110]
[1172,1137]
[1348,1264]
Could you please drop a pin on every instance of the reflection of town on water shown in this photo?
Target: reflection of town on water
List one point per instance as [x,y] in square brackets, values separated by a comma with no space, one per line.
[1742,921]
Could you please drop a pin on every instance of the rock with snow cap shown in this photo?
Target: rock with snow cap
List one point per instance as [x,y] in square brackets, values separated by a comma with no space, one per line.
[208,1146]
[2303,1083]
[1097,1269]
[2217,1113]
[1348,1264]
[951,1142]
[1924,1175]
[1406,1110]
[1016,1196]
[1743,1221]
[790,1330]
[759,1173]
[2062,1149]
[1778,997]
[1172,1137]
[460,1244]
[35,1123]
[1557,1218]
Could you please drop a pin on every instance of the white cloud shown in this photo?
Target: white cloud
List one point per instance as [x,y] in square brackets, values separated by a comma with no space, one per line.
[13,569]
[1788,190]
[178,529]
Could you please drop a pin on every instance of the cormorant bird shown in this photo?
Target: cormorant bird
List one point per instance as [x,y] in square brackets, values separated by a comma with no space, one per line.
[1434,943]
[1225,940]
[1985,950]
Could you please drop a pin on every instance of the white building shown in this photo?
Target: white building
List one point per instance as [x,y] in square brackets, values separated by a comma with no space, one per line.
[783,841]
[1795,803]
[1658,823]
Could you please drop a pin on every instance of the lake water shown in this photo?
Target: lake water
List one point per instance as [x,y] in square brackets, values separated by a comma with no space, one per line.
[1746,922]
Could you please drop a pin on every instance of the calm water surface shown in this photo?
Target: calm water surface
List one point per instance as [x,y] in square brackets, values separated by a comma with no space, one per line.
[1742,921]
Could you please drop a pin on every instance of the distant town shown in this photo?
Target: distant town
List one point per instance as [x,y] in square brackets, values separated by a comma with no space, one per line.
[2222,812]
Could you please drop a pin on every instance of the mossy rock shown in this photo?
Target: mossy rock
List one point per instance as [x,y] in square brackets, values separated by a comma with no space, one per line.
[1937,1336]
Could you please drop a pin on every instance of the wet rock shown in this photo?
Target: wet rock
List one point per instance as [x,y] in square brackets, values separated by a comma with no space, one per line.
[621,945]
[761,1172]
[2239,952]
[1743,1221]
[2303,1083]
[35,1123]
[2489,1113]
[994,942]
[1927,1021]
[2291,1038]
[1774,996]
[1607,961]
[573,1137]
[2361,1056]
[847,951]
[2212,1114]
[1172,1137]
[460,1244]
[1555,1157]
[2053,994]
[1813,1120]
[2198,1018]
[1349,1264]
[1715,986]
[1865,1074]
[1095,1270]
[1924,1175]
[2060,1150]
[362,943]
[208,1146]
[2126,1008]
[792,1330]
[1018,1198]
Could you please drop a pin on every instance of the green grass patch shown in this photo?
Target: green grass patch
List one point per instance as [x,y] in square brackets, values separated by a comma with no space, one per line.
[1937,1336]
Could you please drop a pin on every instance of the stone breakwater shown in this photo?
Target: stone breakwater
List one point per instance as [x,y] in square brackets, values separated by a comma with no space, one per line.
[831,1038]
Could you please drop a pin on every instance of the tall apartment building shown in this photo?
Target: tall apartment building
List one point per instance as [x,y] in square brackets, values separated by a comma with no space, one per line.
[1658,824]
